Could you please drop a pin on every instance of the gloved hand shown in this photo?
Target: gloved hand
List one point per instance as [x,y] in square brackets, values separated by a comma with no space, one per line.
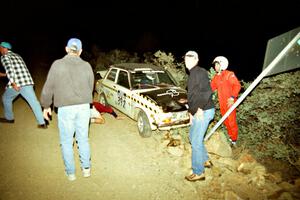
[230,101]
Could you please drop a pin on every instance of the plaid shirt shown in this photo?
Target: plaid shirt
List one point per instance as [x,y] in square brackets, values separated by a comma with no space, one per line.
[16,70]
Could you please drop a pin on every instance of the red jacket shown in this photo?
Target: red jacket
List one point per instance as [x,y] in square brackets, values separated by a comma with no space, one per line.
[102,108]
[226,84]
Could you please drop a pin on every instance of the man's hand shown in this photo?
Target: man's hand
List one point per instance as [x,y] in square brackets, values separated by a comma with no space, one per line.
[200,114]
[230,101]
[47,113]
[17,88]
[182,100]
[2,74]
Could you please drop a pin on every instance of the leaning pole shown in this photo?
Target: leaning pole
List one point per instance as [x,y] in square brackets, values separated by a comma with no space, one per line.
[255,82]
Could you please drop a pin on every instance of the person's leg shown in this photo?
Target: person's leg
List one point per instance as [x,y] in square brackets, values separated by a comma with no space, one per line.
[28,93]
[232,126]
[113,113]
[197,132]
[98,120]
[66,118]
[223,110]
[7,98]
[82,137]
[195,140]
[199,154]
[96,117]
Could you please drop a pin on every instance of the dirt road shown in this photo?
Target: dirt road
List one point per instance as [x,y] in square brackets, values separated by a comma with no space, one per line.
[124,165]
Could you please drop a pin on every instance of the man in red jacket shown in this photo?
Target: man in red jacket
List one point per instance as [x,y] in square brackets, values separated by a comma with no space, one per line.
[228,88]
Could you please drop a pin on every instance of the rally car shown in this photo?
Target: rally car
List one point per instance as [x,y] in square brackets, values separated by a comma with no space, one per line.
[146,93]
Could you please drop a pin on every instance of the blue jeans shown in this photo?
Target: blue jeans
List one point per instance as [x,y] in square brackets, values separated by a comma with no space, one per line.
[74,119]
[28,94]
[197,131]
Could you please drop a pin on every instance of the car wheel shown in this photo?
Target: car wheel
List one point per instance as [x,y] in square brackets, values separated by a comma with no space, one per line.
[143,125]
[102,99]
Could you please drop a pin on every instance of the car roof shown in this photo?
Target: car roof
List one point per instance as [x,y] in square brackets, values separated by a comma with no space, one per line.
[133,66]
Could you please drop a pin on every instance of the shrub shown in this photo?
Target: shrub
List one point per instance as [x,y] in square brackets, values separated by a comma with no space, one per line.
[269,120]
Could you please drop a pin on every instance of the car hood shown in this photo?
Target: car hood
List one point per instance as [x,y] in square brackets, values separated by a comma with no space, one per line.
[168,98]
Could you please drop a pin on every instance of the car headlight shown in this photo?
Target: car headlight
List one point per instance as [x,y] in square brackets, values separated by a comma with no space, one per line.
[168,118]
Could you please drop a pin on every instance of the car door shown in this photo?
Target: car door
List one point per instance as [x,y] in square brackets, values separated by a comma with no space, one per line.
[109,86]
[123,93]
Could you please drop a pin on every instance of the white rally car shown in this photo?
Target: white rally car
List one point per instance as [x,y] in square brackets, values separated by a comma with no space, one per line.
[145,93]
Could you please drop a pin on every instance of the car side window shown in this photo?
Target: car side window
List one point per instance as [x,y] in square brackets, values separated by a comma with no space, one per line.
[112,75]
[136,79]
[123,79]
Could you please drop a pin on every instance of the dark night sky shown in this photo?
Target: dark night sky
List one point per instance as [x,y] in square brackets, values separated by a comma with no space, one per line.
[236,29]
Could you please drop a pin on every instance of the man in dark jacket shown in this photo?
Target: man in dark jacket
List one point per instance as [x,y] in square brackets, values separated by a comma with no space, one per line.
[69,87]
[201,111]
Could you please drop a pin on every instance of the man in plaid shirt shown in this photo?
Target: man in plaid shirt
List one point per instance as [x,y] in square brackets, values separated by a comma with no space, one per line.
[19,83]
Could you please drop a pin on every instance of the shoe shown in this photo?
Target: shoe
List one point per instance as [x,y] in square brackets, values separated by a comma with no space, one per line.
[233,145]
[46,122]
[71,177]
[232,142]
[208,164]
[42,126]
[86,172]
[3,120]
[195,177]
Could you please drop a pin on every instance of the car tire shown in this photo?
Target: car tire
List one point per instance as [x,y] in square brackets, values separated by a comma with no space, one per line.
[143,125]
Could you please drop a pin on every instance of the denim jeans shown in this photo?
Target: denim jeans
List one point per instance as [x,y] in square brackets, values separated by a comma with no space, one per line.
[72,120]
[29,95]
[197,131]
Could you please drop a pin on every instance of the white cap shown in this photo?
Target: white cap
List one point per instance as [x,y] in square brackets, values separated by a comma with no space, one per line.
[192,54]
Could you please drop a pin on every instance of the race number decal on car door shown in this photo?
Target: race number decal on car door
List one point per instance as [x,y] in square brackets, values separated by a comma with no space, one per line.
[121,99]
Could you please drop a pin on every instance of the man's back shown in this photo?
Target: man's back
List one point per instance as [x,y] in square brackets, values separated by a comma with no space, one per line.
[16,69]
[70,80]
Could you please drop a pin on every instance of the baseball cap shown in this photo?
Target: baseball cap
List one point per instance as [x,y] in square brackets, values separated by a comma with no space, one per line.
[74,44]
[192,54]
[5,45]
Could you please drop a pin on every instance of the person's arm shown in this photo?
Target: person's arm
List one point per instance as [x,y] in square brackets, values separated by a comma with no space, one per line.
[236,86]
[10,73]
[113,113]
[91,78]
[213,83]
[47,93]
[2,74]
[46,113]
[192,93]
[9,70]
[204,92]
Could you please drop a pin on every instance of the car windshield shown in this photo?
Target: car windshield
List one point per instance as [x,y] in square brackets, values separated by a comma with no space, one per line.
[150,79]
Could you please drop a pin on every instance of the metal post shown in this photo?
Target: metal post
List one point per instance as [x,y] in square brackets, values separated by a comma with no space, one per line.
[255,82]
